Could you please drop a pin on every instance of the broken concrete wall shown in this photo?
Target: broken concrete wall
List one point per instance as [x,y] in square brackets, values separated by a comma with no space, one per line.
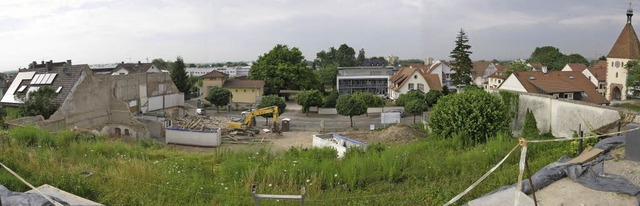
[92,105]
[138,89]
[337,142]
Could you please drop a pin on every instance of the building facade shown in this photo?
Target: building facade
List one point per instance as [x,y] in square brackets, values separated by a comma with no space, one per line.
[373,79]
[625,49]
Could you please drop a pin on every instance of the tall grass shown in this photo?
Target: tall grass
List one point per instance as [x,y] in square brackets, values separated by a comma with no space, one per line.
[426,172]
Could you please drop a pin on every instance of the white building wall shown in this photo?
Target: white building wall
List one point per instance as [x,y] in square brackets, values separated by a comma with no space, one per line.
[592,78]
[512,84]
[204,138]
[616,74]
[120,72]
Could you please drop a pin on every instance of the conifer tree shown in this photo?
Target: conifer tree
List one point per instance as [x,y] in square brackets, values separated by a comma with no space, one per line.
[462,64]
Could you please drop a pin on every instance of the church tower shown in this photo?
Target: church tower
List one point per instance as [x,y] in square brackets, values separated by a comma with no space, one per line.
[626,48]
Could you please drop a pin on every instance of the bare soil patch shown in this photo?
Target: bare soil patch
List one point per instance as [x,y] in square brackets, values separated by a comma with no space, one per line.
[396,134]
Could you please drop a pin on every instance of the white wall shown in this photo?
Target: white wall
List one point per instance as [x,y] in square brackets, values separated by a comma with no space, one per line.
[621,78]
[372,110]
[120,72]
[206,138]
[561,116]
[591,77]
[171,100]
[512,84]
[337,142]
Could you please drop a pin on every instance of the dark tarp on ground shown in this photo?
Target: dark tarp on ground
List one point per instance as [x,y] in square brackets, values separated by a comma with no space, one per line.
[590,174]
[10,198]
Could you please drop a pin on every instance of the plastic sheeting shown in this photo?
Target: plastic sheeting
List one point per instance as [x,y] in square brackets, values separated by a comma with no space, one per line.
[10,198]
[590,174]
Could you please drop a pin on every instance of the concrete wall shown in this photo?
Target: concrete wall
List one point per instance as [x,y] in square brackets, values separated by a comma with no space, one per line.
[372,110]
[92,105]
[206,138]
[337,142]
[141,87]
[170,100]
[561,116]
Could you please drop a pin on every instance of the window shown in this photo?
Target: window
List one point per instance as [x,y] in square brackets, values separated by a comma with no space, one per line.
[58,90]
[421,87]
[415,76]
[410,86]
[568,96]
[22,88]
[616,74]
[499,81]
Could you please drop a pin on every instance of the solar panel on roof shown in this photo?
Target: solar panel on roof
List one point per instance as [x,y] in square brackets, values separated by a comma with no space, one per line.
[35,79]
[40,78]
[46,77]
[50,79]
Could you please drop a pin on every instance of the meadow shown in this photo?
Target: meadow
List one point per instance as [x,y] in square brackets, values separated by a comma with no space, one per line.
[429,171]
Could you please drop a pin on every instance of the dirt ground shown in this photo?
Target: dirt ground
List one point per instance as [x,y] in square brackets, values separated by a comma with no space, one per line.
[567,192]
[397,134]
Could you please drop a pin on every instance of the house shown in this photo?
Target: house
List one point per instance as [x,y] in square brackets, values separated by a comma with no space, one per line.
[481,71]
[537,66]
[60,76]
[245,92]
[444,71]
[373,79]
[103,69]
[597,76]
[495,80]
[560,84]
[625,49]
[128,68]
[411,78]
[230,71]
[577,67]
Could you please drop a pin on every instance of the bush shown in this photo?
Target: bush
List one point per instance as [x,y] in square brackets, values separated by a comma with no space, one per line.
[370,99]
[474,115]
[411,95]
[530,128]
[331,99]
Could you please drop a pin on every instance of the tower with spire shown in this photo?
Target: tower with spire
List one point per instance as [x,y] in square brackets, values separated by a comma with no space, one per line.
[626,48]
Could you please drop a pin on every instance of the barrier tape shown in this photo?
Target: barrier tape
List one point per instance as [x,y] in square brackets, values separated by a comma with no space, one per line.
[457,197]
[578,138]
[523,158]
[31,186]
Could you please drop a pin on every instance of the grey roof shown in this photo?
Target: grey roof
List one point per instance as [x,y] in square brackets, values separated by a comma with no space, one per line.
[64,80]
[134,67]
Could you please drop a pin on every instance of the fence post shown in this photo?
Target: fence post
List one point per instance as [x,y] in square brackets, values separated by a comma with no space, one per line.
[619,127]
[253,193]
[580,134]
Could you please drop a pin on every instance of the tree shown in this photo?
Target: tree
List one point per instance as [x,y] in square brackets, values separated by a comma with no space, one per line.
[349,106]
[411,95]
[219,97]
[369,99]
[461,64]
[160,63]
[180,78]
[432,97]
[284,68]
[474,115]
[309,98]
[39,102]
[330,100]
[633,77]
[361,57]
[328,75]
[344,56]
[530,128]
[548,56]
[573,58]
[415,107]
[516,66]
[272,100]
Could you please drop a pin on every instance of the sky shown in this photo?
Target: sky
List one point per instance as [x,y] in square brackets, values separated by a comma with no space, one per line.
[201,31]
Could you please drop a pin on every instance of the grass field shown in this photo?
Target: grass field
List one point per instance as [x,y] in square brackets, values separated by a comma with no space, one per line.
[113,172]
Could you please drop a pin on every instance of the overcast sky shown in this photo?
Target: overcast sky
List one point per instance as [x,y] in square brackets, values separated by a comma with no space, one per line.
[109,31]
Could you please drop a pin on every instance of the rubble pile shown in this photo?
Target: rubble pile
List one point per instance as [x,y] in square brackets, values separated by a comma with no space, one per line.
[199,123]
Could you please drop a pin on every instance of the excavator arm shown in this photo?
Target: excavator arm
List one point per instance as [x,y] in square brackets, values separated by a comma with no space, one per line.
[248,119]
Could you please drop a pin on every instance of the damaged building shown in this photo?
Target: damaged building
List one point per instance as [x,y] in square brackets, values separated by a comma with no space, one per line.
[100,103]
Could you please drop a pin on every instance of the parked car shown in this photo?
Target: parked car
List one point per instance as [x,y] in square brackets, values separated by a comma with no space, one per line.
[200,111]
[396,111]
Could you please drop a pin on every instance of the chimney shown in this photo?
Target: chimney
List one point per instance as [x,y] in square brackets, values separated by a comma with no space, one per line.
[544,69]
[33,65]
[139,63]
[69,62]
[49,65]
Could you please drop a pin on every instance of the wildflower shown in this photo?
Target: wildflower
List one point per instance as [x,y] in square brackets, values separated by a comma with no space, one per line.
[226,188]
[269,185]
[222,183]
[201,188]
[335,175]
[295,161]
[285,170]
[308,180]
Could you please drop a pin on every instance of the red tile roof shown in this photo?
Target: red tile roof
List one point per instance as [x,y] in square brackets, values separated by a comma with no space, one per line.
[433,80]
[251,84]
[627,46]
[559,82]
[577,67]
[214,73]
[600,73]
[479,67]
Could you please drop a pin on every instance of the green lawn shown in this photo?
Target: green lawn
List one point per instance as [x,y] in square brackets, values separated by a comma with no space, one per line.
[426,172]
[630,106]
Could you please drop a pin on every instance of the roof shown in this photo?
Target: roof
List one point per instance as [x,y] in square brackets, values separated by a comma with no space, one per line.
[601,63]
[479,67]
[536,65]
[214,73]
[577,67]
[627,45]
[600,73]
[400,77]
[134,67]
[433,80]
[499,74]
[235,83]
[57,79]
[559,82]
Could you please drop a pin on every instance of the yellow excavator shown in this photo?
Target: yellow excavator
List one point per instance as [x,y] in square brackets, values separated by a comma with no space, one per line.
[243,125]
